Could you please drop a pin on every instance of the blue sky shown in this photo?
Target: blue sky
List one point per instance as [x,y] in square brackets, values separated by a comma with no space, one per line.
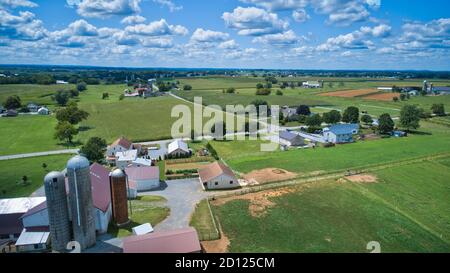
[291,34]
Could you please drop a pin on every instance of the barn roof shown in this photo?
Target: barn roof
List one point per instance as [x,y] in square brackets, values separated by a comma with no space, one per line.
[213,170]
[177,144]
[122,142]
[142,173]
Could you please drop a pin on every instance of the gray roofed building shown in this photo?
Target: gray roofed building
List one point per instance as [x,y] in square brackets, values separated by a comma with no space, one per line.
[290,139]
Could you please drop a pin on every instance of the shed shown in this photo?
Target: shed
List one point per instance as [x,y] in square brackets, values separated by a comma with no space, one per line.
[340,133]
[178,148]
[175,241]
[43,111]
[291,139]
[142,229]
[145,178]
[33,239]
[217,176]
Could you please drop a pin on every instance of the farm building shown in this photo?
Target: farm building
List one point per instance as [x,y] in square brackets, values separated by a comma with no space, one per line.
[11,212]
[120,145]
[125,158]
[33,239]
[11,113]
[144,178]
[178,148]
[388,89]
[312,84]
[101,196]
[217,176]
[141,162]
[43,111]
[442,90]
[61,82]
[290,139]
[340,133]
[32,107]
[175,241]
[142,229]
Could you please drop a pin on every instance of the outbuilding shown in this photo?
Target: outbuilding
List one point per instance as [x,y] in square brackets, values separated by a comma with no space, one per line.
[144,178]
[291,139]
[125,158]
[340,133]
[43,111]
[178,148]
[217,176]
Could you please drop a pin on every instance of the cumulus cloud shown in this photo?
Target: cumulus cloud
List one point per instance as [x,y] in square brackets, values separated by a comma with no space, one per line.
[157,28]
[133,19]
[22,27]
[278,5]
[300,15]
[122,38]
[279,39]
[231,44]
[157,43]
[17,3]
[106,8]
[254,21]
[208,36]
[169,4]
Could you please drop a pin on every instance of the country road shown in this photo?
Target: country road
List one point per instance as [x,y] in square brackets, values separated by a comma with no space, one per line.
[58,152]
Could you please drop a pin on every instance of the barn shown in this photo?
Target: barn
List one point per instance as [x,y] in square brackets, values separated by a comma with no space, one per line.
[217,176]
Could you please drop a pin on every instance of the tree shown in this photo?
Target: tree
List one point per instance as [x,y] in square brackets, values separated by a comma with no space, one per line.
[366,119]
[314,121]
[351,115]
[121,97]
[74,93]
[395,99]
[385,124]
[402,97]
[81,86]
[231,90]
[332,117]
[71,114]
[263,92]
[44,166]
[94,149]
[187,87]
[303,110]
[25,180]
[12,102]
[65,131]
[279,93]
[410,117]
[259,86]
[438,109]
[61,97]
[105,96]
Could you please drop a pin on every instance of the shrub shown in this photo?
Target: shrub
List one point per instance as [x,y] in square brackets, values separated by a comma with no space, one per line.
[263,92]
[279,93]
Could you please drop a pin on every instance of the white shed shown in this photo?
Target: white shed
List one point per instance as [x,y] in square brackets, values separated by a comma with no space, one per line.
[178,148]
[217,176]
[143,178]
[43,111]
[142,229]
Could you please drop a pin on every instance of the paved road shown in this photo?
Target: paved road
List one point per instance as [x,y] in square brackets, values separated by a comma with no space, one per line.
[182,196]
[59,152]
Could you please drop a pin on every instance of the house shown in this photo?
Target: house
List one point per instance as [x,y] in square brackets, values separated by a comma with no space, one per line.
[178,148]
[32,107]
[120,145]
[340,133]
[217,176]
[11,113]
[125,158]
[142,229]
[312,84]
[143,178]
[11,212]
[290,139]
[175,241]
[43,111]
[33,240]
[141,162]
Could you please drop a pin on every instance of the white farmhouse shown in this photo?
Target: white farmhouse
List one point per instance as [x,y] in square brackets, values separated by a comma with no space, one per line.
[217,176]
[125,158]
[178,148]
[120,145]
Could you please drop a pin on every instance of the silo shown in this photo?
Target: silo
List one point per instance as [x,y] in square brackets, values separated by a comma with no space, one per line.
[80,199]
[119,190]
[58,212]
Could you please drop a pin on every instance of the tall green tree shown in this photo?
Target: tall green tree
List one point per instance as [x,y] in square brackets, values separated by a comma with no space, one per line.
[385,124]
[366,119]
[351,115]
[65,131]
[81,86]
[12,102]
[332,117]
[71,114]
[62,97]
[303,110]
[410,117]
[94,149]
[438,109]
[314,120]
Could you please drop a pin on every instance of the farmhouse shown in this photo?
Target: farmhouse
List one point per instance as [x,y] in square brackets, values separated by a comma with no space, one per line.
[175,241]
[120,145]
[11,113]
[141,162]
[125,158]
[340,133]
[144,178]
[43,111]
[217,176]
[32,107]
[178,148]
[312,84]
[290,139]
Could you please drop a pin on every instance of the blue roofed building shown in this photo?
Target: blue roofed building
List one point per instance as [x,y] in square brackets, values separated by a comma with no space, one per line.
[340,133]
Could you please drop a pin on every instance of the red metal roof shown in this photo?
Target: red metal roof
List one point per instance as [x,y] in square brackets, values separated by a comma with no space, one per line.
[142,173]
[101,191]
[175,241]
[122,142]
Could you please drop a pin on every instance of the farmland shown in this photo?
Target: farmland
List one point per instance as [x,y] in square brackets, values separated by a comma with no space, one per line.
[331,216]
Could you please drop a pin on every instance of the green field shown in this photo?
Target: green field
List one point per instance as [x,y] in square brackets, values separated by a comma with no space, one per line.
[405,211]
[41,94]
[12,172]
[202,221]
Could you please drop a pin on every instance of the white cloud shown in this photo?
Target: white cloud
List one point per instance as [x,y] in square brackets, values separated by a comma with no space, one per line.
[231,44]
[208,36]
[17,3]
[378,31]
[106,8]
[22,27]
[133,19]
[157,43]
[254,21]
[278,5]
[169,4]
[279,39]
[157,28]
[122,38]
[300,15]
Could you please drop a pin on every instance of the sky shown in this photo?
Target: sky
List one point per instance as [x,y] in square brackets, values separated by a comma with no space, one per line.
[269,34]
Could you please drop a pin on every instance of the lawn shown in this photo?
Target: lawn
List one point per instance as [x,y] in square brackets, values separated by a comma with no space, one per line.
[146,209]
[203,222]
[41,94]
[433,139]
[12,172]
[405,211]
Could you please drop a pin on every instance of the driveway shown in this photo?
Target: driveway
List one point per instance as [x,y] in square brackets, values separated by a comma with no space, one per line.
[182,196]
[59,152]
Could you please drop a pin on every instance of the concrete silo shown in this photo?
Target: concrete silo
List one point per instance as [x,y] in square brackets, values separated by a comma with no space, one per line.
[119,190]
[80,201]
[58,212]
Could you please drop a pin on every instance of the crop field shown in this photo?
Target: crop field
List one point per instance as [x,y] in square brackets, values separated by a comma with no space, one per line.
[12,172]
[350,93]
[382,96]
[343,216]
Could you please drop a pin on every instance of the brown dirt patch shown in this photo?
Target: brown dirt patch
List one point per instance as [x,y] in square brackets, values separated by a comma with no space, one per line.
[382,96]
[362,178]
[269,175]
[350,93]
[216,246]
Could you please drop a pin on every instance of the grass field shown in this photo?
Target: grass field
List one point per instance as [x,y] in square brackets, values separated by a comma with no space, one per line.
[406,211]
[145,209]
[432,140]
[41,94]
[12,172]
[202,221]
